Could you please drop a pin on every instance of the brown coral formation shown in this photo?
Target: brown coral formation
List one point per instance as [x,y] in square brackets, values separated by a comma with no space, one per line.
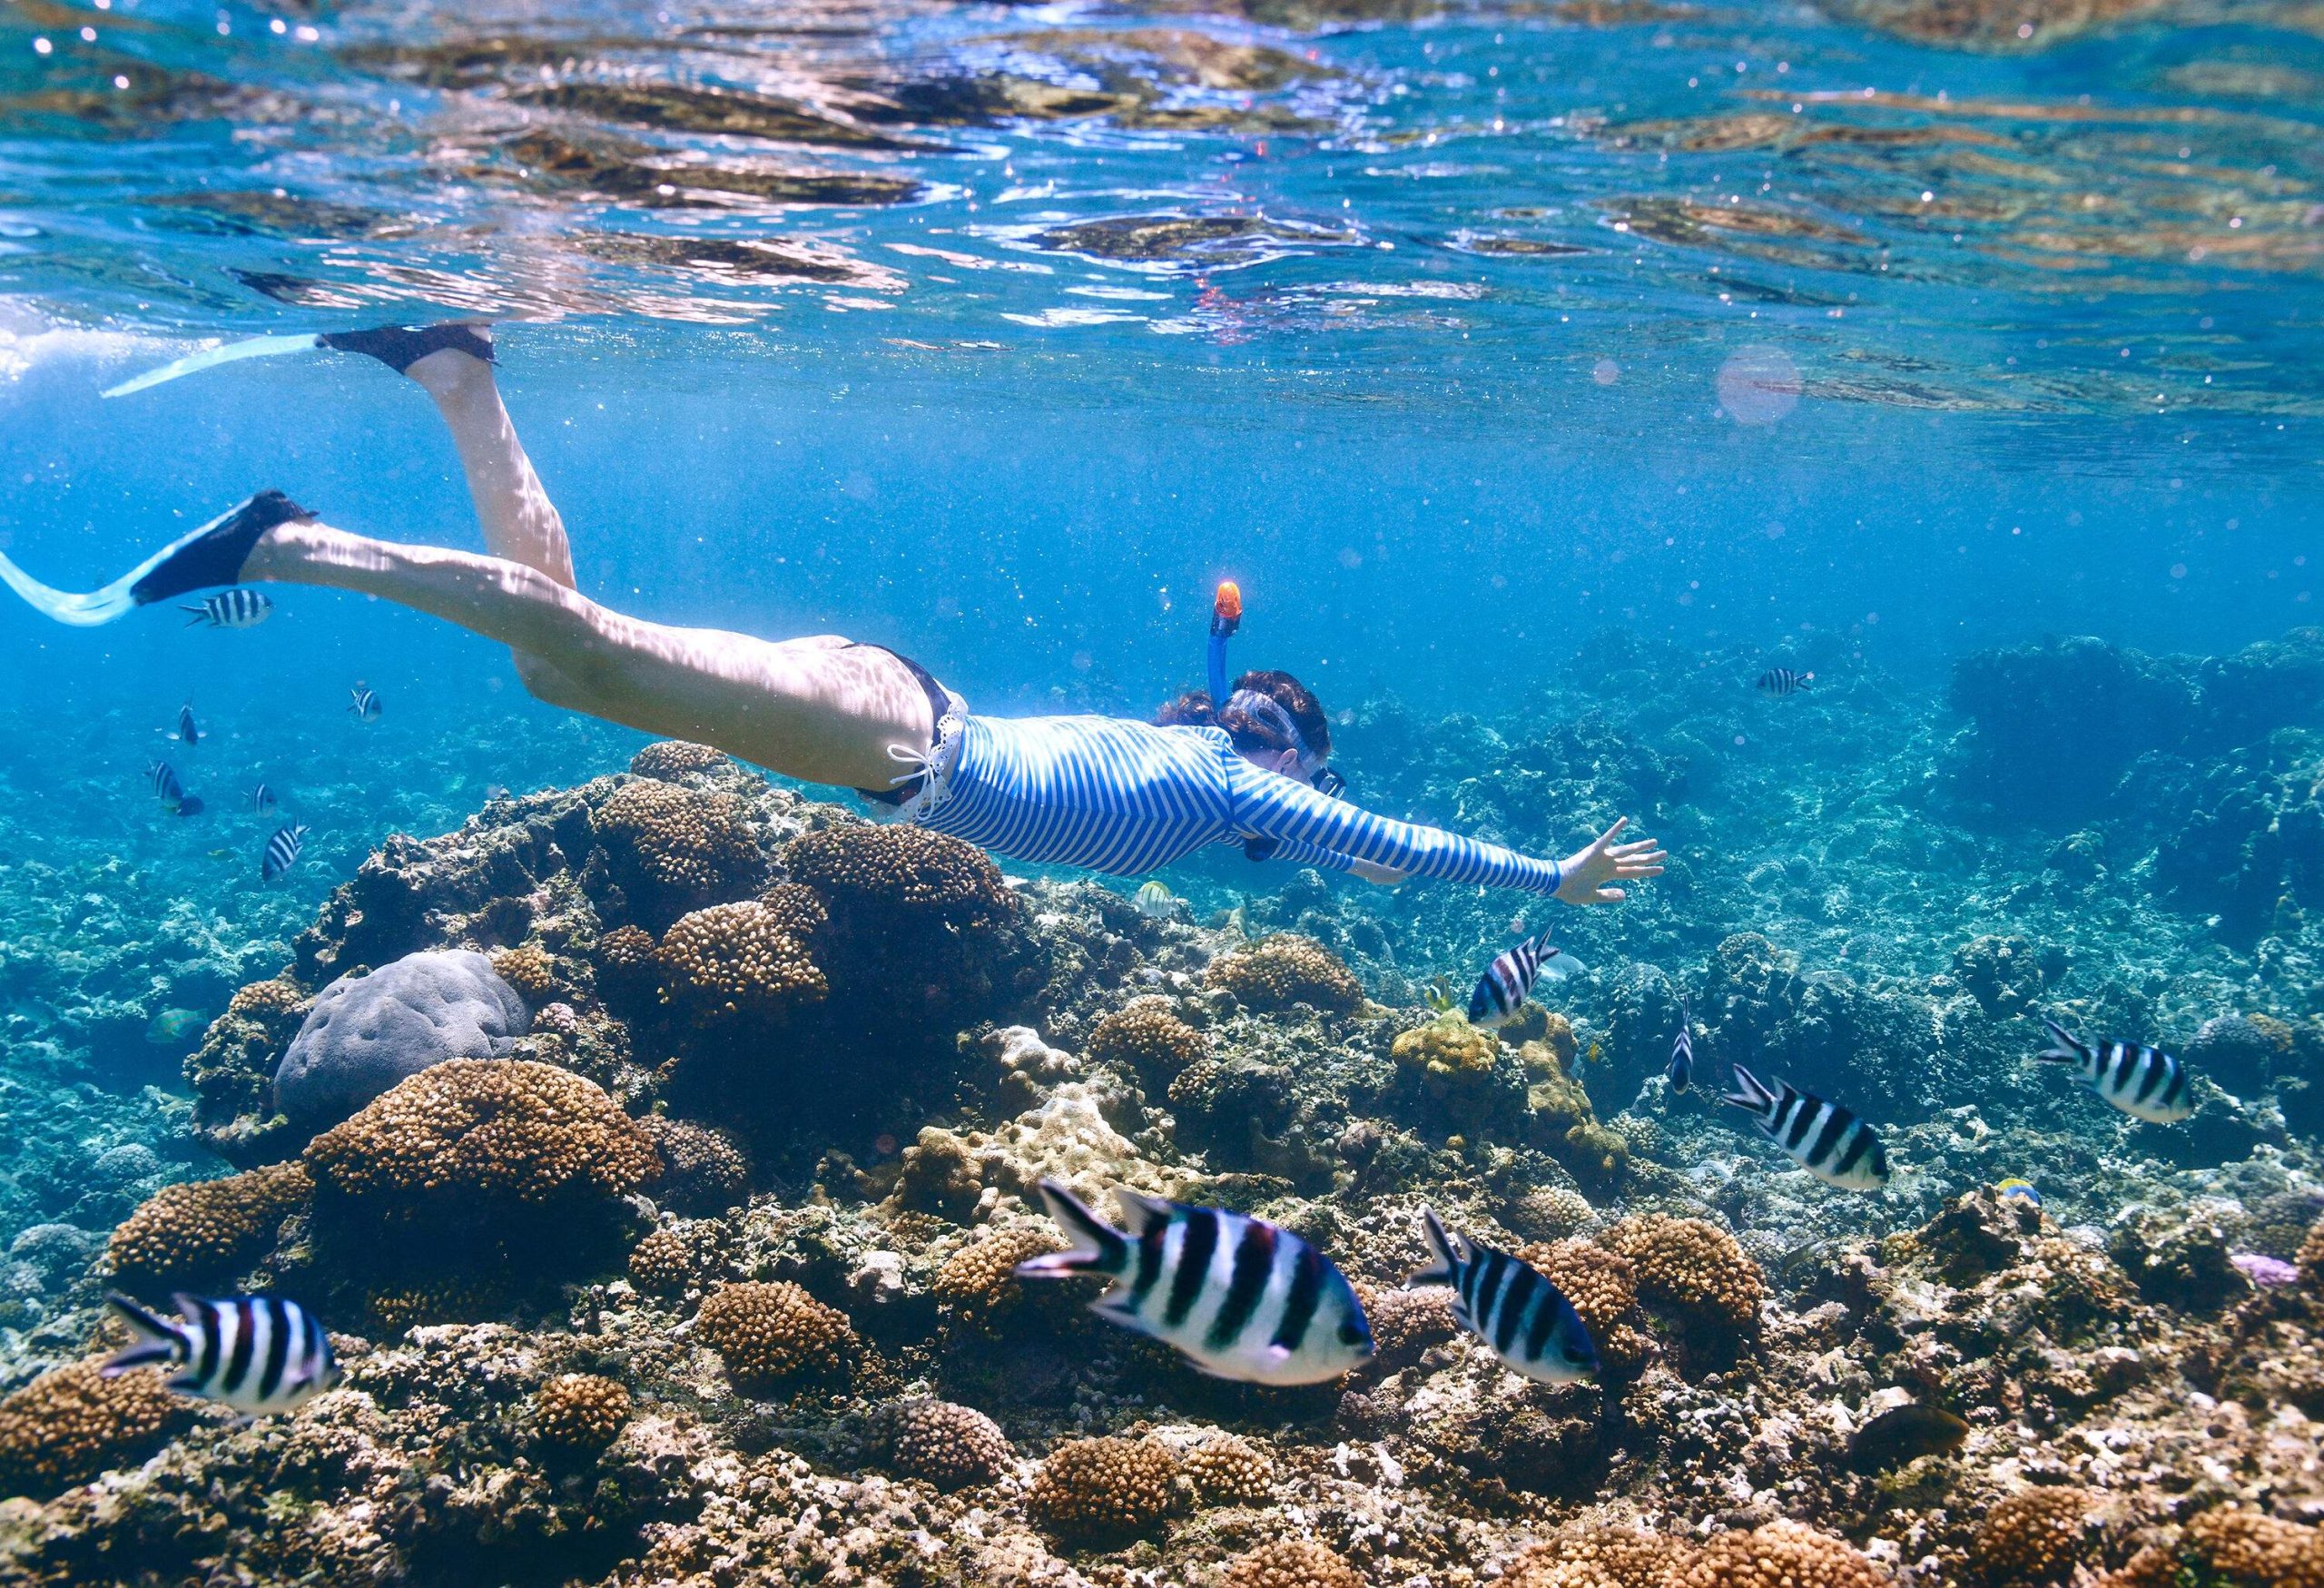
[951,1446]
[679,846]
[231,1072]
[1279,971]
[1599,1557]
[741,961]
[528,968]
[703,1168]
[2033,1538]
[663,1264]
[1096,1490]
[206,1233]
[2247,1549]
[1290,1563]
[1602,1285]
[772,1335]
[1227,1470]
[673,759]
[980,1280]
[899,871]
[72,1423]
[580,1412]
[2310,1258]
[1693,1266]
[1781,1555]
[1146,1038]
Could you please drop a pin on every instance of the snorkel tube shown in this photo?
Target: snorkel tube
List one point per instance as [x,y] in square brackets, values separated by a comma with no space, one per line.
[1225,618]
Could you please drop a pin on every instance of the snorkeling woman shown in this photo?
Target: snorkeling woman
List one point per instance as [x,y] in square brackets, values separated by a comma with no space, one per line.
[1111,795]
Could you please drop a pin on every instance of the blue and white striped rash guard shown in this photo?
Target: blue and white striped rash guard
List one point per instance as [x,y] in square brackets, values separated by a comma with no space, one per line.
[1124,797]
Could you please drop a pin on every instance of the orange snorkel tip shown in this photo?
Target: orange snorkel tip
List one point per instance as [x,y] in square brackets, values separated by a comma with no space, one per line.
[1227,607]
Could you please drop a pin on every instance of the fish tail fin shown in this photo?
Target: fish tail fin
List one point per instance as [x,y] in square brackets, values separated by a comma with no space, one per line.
[1445,1263]
[2070,1048]
[200,615]
[257,347]
[1098,1247]
[1749,1092]
[158,1340]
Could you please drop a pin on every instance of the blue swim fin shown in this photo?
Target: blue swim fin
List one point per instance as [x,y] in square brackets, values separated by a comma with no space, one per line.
[257,347]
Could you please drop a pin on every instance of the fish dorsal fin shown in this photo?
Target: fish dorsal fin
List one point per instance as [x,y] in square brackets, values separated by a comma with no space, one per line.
[1141,1212]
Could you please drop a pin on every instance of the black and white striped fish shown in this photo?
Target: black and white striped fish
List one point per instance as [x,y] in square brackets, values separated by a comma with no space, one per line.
[365,704]
[239,607]
[1681,1072]
[253,1353]
[163,778]
[1500,990]
[1241,1297]
[2146,1083]
[281,852]
[263,799]
[1510,1305]
[1784,681]
[186,729]
[1824,1138]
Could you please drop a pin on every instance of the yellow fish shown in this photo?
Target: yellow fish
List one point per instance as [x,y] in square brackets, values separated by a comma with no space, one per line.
[1597,1055]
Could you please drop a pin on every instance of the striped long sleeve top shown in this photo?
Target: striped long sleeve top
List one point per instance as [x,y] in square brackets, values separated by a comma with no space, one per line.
[1125,798]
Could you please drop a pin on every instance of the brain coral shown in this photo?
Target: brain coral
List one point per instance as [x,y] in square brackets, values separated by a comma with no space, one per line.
[951,1446]
[501,1128]
[1100,1490]
[580,1412]
[1693,1266]
[671,759]
[1781,1555]
[746,961]
[209,1232]
[679,845]
[2249,1549]
[1229,1471]
[2032,1538]
[1290,1563]
[771,1334]
[1147,1039]
[71,1423]
[1279,971]
[703,1169]
[900,871]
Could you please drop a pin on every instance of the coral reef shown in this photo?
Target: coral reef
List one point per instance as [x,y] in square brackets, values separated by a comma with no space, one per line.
[365,1033]
[1779,1555]
[580,1412]
[770,1334]
[2033,1538]
[1226,1470]
[71,1423]
[205,1233]
[1290,1563]
[1105,1490]
[1146,1038]
[1693,1266]
[951,1446]
[673,849]
[703,1168]
[674,760]
[1277,972]
[747,960]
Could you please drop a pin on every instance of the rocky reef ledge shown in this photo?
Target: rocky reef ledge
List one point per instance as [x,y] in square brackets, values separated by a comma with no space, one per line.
[688,1261]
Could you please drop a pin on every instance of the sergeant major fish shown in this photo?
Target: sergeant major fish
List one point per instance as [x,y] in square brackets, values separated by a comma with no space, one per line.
[253,1353]
[186,729]
[281,852]
[1500,990]
[1510,1305]
[1824,1138]
[365,704]
[262,799]
[1239,1296]
[1681,1071]
[2145,1083]
[236,609]
[1784,681]
[163,778]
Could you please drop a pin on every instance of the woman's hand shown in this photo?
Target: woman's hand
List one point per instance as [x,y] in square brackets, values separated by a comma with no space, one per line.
[1605,861]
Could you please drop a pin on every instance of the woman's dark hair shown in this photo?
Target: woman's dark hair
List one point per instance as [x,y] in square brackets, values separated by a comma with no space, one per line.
[1252,732]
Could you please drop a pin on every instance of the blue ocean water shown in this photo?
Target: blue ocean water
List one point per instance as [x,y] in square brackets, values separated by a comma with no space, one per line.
[1462,337]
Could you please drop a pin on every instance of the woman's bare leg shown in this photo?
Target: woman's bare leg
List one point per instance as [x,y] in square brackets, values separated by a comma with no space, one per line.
[520,523]
[817,709]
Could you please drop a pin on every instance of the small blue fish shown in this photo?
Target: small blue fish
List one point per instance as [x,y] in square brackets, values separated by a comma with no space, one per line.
[263,799]
[365,704]
[236,609]
[1682,1053]
[1500,990]
[253,1353]
[186,729]
[2022,1190]
[281,852]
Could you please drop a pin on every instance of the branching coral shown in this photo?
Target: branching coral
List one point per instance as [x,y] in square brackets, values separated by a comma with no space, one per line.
[2310,1257]
[496,1129]
[680,845]
[1105,1489]
[580,1412]
[665,1263]
[208,1232]
[1229,1471]
[770,1334]
[1781,1555]
[948,1445]
[1147,1039]
[748,960]
[703,1169]
[1279,971]
[1581,1556]
[71,1423]
[671,759]
[2033,1538]
[2247,1549]
[1603,1287]
[1693,1266]
[1290,1563]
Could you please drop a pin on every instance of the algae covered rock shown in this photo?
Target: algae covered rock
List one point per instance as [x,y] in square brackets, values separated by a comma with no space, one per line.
[365,1033]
